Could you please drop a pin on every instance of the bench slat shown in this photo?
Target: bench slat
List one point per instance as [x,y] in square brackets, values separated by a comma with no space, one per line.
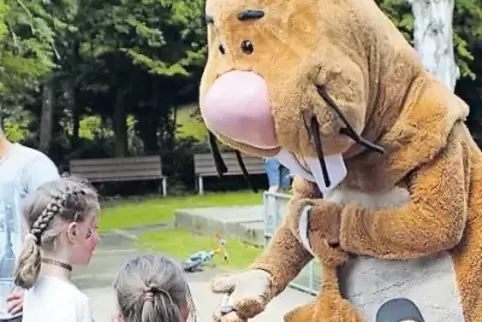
[204,164]
[135,178]
[145,159]
[138,172]
[118,169]
[115,167]
[114,175]
[226,156]
[231,166]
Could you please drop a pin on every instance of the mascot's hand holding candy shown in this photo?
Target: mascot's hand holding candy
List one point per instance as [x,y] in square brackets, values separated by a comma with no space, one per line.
[388,192]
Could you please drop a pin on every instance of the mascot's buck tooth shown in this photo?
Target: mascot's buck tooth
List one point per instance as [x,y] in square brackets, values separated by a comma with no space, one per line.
[397,213]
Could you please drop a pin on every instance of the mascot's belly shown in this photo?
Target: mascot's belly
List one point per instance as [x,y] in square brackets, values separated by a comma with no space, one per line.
[368,282]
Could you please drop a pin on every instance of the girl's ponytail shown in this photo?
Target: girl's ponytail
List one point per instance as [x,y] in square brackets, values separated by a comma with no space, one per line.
[152,288]
[29,262]
[158,304]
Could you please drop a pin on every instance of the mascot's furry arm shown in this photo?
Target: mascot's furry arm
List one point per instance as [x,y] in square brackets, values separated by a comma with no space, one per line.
[433,220]
[286,255]
[285,247]
[281,263]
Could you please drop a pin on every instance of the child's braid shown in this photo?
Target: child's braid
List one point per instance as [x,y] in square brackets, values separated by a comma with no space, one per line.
[53,208]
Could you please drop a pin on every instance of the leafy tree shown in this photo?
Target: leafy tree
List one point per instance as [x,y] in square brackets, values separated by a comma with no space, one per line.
[25,51]
[140,49]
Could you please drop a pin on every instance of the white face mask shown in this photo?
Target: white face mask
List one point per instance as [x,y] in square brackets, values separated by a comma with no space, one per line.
[334,164]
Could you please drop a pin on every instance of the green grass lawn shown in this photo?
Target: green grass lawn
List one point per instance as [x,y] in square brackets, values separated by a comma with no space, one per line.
[130,214]
[180,244]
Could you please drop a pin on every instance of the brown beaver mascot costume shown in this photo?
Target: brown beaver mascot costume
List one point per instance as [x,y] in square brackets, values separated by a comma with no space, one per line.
[388,192]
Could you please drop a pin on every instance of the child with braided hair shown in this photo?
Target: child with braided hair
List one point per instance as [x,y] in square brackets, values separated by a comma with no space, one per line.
[152,288]
[62,218]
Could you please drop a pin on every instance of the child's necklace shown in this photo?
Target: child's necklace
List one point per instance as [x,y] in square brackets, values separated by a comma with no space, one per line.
[57,263]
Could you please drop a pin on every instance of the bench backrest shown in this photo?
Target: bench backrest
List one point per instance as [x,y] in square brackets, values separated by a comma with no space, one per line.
[118,169]
[204,164]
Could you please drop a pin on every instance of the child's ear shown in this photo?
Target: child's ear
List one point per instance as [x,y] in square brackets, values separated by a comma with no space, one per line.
[186,311]
[72,232]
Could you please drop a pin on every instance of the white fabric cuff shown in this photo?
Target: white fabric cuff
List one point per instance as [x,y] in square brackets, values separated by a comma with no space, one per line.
[303,227]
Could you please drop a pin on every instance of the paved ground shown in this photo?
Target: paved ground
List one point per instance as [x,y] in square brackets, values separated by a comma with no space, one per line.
[96,281]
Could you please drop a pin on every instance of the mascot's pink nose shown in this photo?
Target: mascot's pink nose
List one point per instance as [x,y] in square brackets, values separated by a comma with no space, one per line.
[237,106]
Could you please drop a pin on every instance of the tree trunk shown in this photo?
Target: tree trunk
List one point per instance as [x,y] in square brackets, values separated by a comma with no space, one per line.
[2,117]
[76,124]
[47,116]
[73,108]
[147,127]
[73,86]
[120,124]
[432,33]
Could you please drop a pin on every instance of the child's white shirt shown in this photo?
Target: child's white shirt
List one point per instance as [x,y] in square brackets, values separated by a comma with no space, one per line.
[55,300]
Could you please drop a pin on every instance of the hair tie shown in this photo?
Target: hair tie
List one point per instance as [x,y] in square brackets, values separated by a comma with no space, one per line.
[148,294]
[150,290]
[32,237]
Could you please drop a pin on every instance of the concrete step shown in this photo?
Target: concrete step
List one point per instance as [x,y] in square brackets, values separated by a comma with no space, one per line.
[252,233]
[246,222]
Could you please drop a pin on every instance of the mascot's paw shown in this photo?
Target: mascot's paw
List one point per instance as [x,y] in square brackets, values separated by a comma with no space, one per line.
[321,230]
[323,218]
[249,292]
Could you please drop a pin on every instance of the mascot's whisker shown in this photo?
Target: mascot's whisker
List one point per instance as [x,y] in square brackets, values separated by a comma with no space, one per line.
[245,171]
[314,130]
[220,165]
[218,159]
[349,130]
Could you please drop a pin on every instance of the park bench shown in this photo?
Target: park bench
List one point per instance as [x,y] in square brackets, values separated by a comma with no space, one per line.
[120,169]
[204,166]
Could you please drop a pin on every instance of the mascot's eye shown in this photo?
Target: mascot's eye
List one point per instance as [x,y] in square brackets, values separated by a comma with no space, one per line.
[221,49]
[247,47]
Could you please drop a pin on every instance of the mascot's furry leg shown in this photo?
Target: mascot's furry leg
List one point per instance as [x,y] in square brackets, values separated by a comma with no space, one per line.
[329,305]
